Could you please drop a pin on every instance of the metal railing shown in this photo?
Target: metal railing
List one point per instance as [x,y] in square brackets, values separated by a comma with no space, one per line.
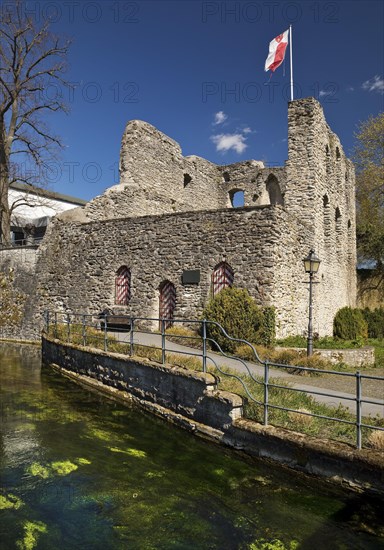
[22,243]
[128,335]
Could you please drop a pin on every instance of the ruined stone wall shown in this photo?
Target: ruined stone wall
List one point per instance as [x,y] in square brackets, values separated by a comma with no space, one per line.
[156,179]
[320,191]
[159,248]
[254,179]
[172,213]
[21,260]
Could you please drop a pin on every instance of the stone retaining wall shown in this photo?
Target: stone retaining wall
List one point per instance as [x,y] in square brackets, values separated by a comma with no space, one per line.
[354,357]
[191,400]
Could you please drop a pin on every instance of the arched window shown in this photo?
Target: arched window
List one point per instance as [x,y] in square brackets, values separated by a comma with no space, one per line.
[222,277]
[237,198]
[167,302]
[274,191]
[123,286]
[338,156]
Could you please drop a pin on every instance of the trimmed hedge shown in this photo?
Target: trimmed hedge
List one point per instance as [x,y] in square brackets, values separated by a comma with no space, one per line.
[350,324]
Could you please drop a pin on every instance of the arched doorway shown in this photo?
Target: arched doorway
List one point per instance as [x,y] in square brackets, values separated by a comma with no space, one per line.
[167,302]
[274,191]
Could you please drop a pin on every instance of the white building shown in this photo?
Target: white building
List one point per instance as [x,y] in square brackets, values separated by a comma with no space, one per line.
[32,208]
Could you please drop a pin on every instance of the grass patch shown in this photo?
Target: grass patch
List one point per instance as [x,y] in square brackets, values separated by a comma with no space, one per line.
[378,344]
[326,342]
[301,403]
[184,337]
[290,357]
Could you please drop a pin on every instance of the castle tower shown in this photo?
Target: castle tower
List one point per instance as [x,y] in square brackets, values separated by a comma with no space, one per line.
[320,192]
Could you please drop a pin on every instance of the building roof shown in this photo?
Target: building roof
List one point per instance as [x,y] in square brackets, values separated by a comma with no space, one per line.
[17,186]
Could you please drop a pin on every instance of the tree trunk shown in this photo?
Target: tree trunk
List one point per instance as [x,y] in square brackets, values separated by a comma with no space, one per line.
[5,214]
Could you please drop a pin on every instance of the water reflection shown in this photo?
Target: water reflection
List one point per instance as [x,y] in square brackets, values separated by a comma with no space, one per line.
[80,471]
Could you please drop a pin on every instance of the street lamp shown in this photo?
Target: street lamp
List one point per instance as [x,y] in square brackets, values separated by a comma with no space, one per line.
[311,266]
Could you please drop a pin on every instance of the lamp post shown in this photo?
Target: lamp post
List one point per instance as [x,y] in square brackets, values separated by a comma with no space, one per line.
[311,266]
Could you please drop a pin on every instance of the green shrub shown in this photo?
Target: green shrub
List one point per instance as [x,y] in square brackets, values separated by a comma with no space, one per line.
[266,335]
[349,324]
[375,320]
[235,310]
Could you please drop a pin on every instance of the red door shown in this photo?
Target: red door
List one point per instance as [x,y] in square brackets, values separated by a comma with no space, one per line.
[222,277]
[167,302]
[123,286]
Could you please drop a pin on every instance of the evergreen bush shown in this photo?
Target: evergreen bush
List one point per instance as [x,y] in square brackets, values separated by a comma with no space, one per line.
[235,310]
[349,324]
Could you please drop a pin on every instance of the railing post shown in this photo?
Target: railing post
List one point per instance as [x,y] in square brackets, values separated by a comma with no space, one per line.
[358,410]
[68,328]
[105,333]
[55,334]
[266,392]
[163,341]
[131,329]
[84,332]
[204,345]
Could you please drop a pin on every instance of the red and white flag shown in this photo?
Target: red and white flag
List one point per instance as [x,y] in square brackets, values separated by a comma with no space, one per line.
[276,53]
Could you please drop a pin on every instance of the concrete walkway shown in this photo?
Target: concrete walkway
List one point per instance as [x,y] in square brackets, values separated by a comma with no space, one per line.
[334,398]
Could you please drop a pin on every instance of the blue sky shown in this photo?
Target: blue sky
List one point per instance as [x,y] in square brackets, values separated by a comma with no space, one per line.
[195,70]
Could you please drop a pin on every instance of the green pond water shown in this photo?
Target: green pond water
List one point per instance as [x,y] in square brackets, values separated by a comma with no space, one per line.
[79,471]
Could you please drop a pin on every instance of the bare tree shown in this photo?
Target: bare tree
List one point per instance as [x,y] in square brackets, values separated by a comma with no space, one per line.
[32,61]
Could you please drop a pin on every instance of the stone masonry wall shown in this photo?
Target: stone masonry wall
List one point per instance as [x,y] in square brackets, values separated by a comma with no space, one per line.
[320,191]
[159,248]
[156,179]
[22,261]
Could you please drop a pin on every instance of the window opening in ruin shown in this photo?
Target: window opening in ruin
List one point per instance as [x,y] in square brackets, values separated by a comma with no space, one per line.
[123,286]
[167,302]
[274,191]
[338,156]
[338,220]
[226,176]
[327,150]
[349,224]
[187,179]
[237,198]
[326,216]
[222,277]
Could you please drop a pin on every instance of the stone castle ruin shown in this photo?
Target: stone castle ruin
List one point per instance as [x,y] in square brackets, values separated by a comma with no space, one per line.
[168,237]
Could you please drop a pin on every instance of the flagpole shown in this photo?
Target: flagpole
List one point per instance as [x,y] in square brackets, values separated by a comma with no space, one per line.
[290,52]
